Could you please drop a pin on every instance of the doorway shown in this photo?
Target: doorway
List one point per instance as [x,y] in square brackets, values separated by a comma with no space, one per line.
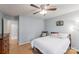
[11,27]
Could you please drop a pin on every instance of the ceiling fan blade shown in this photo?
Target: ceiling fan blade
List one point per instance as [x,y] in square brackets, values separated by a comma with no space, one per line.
[47,4]
[34,6]
[51,9]
[36,12]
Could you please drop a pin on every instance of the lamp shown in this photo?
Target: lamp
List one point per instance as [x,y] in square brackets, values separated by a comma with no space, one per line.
[71,28]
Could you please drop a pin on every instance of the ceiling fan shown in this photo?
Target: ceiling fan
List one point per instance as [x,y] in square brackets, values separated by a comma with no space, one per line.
[43,8]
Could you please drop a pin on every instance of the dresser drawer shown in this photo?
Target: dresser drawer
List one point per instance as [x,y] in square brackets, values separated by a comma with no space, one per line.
[5,46]
[0,46]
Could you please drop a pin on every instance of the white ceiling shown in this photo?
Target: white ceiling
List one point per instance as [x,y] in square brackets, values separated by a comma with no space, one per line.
[26,9]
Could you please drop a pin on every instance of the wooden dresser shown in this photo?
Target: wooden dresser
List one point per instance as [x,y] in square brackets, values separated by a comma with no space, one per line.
[0,44]
[4,44]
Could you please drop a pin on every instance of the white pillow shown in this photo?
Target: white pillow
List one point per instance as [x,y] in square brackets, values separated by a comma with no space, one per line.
[63,35]
[44,34]
[54,35]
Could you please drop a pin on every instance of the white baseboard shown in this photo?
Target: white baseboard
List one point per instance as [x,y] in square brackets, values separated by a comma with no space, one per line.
[24,43]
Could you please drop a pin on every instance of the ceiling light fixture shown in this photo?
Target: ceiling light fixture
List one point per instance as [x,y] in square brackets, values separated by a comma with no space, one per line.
[43,12]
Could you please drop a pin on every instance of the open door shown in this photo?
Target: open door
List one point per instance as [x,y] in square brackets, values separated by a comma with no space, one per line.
[11,28]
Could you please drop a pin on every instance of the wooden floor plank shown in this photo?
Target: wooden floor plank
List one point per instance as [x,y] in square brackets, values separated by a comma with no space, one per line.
[15,48]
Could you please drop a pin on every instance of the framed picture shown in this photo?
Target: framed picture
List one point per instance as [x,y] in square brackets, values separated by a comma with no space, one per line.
[60,23]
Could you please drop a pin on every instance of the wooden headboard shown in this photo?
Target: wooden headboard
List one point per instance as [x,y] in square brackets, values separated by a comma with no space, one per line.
[54,32]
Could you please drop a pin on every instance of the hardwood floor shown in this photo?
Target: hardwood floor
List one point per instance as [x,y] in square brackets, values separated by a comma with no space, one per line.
[25,49]
[71,51]
[15,48]
[22,49]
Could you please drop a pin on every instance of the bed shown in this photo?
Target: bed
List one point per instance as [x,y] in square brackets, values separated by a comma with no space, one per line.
[51,44]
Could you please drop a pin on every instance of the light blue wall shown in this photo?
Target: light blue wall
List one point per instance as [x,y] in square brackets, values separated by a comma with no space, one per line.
[69,20]
[51,24]
[29,28]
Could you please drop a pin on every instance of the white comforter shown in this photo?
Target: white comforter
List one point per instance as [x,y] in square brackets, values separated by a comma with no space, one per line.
[51,45]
